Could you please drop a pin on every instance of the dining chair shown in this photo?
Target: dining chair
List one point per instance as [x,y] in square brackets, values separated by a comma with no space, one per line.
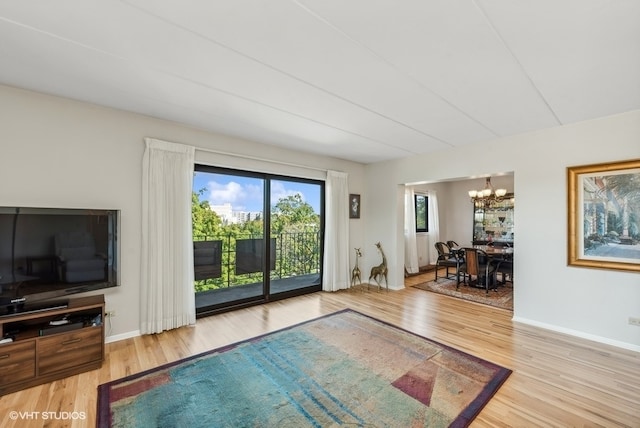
[479,268]
[504,266]
[447,259]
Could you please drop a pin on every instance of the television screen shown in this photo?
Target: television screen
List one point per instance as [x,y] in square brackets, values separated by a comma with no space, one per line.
[46,253]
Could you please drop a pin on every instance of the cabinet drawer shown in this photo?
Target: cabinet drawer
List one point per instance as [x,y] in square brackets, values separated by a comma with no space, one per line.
[69,350]
[17,361]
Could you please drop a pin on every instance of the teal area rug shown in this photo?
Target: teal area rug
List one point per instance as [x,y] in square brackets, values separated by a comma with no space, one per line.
[341,369]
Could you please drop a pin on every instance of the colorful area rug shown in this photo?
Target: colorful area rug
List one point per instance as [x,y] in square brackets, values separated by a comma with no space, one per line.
[502,297]
[341,369]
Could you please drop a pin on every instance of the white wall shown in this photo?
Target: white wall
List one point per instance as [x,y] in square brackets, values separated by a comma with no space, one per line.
[56,152]
[590,303]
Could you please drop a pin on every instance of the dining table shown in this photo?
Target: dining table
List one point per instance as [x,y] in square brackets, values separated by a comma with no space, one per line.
[494,252]
[496,255]
[490,250]
[500,256]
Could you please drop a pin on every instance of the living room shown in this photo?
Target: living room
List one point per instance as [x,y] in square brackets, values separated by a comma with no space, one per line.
[81,155]
[98,164]
[60,152]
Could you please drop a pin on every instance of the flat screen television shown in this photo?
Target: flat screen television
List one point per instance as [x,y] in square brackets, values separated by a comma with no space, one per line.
[49,253]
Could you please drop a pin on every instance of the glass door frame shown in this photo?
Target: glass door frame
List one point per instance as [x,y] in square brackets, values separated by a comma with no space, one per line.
[266,295]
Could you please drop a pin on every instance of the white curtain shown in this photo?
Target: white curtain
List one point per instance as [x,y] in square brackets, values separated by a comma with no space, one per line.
[434,227]
[410,242]
[167,298]
[335,275]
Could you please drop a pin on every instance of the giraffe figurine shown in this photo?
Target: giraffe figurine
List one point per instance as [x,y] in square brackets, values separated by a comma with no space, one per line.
[355,273]
[380,271]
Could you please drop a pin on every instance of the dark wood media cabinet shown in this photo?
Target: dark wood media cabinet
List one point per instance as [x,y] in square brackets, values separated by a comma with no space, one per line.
[41,352]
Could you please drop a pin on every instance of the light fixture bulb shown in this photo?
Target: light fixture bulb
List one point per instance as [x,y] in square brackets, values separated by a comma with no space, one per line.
[501,192]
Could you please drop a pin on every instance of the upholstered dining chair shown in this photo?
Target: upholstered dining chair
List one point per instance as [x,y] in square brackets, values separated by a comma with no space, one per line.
[504,267]
[503,263]
[479,268]
[447,259]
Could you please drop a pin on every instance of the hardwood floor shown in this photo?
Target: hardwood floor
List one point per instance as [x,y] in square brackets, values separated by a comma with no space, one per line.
[557,380]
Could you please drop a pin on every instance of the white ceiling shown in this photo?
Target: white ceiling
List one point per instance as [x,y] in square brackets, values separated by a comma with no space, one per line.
[364,80]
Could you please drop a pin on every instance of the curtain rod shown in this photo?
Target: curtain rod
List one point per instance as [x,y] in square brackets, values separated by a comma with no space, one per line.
[237,155]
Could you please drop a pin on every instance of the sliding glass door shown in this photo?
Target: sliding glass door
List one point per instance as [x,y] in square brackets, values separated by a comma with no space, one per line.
[296,232]
[234,265]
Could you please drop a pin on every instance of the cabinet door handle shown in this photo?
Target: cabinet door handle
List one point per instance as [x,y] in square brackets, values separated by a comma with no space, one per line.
[5,356]
[69,342]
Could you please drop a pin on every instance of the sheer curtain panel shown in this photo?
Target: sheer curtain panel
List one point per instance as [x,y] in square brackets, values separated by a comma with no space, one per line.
[167,298]
[410,241]
[434,227]
[335,274]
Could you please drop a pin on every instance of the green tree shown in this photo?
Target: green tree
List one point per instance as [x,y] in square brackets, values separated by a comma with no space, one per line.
[206,223]
[421,212]
[292,214]
[296,226]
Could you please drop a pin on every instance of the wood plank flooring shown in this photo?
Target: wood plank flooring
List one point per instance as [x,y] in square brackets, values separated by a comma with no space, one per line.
[558,380]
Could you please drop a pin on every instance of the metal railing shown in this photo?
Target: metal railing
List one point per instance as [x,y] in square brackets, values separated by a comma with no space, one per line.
[236,259]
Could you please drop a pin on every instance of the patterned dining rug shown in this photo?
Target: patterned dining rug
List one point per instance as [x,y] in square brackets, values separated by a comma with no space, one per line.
[501,297]
[341,369]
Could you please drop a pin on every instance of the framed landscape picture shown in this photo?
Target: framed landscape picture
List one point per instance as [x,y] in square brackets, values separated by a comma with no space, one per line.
[604,215]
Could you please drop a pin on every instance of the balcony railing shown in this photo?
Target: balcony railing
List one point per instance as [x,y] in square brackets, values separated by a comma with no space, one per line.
[236,259]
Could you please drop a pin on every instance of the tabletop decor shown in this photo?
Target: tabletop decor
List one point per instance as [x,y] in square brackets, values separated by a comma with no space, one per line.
[341,369]
[604,215]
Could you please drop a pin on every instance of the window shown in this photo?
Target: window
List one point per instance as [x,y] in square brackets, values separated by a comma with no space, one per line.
[422,213]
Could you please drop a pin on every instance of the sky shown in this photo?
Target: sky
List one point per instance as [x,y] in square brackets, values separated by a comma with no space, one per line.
[245,193]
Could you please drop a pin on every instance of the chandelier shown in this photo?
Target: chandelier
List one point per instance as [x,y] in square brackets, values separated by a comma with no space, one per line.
[487,197]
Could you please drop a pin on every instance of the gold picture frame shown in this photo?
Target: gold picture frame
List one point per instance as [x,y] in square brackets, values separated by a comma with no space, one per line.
[604,215]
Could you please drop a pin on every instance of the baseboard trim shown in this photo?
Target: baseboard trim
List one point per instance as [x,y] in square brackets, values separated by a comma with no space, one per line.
[122,336]
[580,334]
[373,285]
